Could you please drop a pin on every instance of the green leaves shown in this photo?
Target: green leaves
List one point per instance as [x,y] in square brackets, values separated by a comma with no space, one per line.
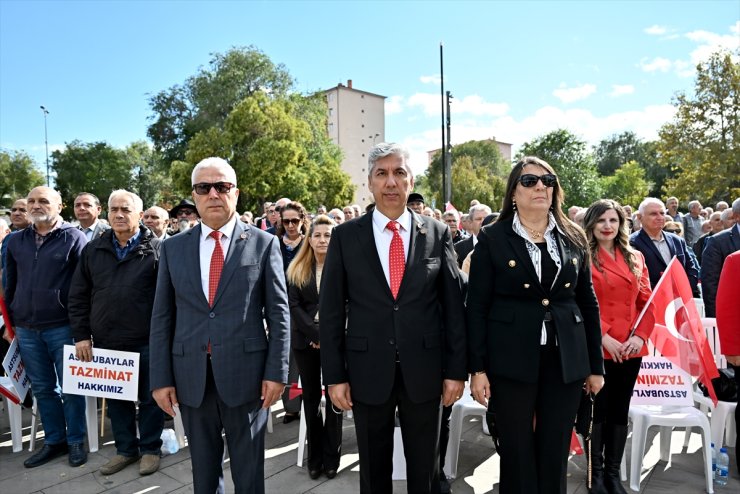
[18,175]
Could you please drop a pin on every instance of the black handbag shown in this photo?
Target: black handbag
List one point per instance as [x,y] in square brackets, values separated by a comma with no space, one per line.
[725,386]
[585,416]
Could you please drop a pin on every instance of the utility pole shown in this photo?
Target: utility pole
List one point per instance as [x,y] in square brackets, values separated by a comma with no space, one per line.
[443,149]
[46,142]
[448,155]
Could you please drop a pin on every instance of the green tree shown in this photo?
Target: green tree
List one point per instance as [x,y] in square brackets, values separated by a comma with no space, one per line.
[94,167]
[274,150]
[18,175]
[702,143]
[207,98]
[478,172]
[575,166]
[148,178]
[628,184]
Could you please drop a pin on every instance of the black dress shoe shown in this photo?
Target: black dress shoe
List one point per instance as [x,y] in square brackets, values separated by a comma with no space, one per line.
[444,484]
[290,417]
[314,473]
[77,454]
[331,473]
[45,455]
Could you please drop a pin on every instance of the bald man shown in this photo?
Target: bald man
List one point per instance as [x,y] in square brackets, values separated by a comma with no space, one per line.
[40,262]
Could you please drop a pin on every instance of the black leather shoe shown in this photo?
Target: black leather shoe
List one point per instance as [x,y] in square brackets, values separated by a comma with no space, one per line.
[331,473]
[77,454]
[314,474]
[290,417]
[444,484]
[45,455]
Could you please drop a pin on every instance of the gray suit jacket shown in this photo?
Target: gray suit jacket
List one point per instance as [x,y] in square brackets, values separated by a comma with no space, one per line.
[243,354]
[99,229]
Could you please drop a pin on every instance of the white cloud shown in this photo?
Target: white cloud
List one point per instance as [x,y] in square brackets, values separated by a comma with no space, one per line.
[710,43]
[430,79]
[645,123]
[658,64]
[468,105]
[621,90]
[394,105]
[656,30]
[572,94]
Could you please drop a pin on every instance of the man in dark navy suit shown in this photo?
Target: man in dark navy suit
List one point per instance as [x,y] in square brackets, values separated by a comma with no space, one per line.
[716,250]
[659,247]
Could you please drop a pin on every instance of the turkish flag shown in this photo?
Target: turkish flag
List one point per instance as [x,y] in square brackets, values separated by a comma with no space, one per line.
[6,318]
[678,331]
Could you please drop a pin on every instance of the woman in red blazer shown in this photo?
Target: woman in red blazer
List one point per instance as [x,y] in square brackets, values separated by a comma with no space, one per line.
[728,315]
[622,285]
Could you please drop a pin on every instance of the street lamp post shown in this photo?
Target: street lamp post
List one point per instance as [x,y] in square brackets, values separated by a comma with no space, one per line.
[46,142]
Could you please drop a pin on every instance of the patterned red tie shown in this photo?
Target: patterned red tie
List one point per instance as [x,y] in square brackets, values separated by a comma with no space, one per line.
[217,265]
[396,258]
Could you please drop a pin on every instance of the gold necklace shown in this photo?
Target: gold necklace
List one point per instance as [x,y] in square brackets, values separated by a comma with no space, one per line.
[532,232]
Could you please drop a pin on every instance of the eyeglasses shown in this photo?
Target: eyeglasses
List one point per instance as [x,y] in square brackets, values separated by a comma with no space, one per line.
[185,212]
[671,230]
[271,211]
[292,221]
[530,180]
[204,188]
[14,210]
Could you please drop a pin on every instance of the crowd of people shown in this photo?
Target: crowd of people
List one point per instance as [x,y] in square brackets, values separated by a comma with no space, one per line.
[386,311]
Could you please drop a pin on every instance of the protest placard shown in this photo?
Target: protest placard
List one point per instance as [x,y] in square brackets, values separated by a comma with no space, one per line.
[110,374]
[14,368]
[660,382]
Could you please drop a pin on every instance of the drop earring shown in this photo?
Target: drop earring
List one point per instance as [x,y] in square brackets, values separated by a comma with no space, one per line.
[513,204]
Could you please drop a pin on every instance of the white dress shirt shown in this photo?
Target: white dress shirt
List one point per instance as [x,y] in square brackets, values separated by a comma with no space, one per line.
[383,237]
[207,244]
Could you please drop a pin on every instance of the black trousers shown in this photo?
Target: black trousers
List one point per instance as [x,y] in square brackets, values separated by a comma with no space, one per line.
[324,436]
[245,434]
[375,425]
[612,404]
[534,423]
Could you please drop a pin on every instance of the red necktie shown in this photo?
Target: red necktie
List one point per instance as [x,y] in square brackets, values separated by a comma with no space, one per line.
[396,258]
[217,265]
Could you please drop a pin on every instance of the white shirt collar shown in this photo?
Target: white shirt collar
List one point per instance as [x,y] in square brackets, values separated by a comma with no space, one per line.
[381,220]
[227,230]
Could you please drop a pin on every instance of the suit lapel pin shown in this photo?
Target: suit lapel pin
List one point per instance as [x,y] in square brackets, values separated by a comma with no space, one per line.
[512,263]
[422,230]
[574,261]
[243,235]
[567,285]
[526,285]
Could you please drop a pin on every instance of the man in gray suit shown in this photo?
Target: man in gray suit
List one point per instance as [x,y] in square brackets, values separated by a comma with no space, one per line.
[210,353]
[87,210]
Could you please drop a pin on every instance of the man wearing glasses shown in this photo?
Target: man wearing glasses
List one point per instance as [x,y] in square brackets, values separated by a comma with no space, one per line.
[185,214]
[209,351]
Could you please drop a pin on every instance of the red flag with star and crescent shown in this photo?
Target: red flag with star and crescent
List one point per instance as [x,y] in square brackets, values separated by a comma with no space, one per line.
[678,332]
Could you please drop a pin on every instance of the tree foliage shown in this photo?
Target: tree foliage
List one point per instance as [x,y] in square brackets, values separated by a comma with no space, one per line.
[95,167]
[207,98]
[628,184]
[478,172]
[149,180]
[614,151]
[702,143]
[18,175]
[275,151]
[575,166]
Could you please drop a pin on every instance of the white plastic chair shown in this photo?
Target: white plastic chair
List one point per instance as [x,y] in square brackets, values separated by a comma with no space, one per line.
[462,408]
[644,417]
[91,418]
[14,417]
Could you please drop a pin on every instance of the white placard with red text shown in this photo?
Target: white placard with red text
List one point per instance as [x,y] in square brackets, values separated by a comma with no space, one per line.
[14,368]
[661,382]
[111,374]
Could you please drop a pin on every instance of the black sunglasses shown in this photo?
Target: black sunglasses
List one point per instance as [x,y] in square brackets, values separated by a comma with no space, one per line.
[204,188]
[671,230]
[292,221]
[530,180]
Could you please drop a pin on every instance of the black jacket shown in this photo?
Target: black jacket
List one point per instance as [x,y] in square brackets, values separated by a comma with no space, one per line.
[716,250]
[304,304]
[507,304]
[111,300]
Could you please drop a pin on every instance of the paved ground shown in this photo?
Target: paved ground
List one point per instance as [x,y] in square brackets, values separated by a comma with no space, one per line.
[478,468]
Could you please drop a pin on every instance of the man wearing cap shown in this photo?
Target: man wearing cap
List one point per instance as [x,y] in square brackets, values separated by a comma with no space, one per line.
[185,214]
[416,203]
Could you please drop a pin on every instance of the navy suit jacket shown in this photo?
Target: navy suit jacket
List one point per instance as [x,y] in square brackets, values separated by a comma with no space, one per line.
[716,249]
[655,263]
[242,353]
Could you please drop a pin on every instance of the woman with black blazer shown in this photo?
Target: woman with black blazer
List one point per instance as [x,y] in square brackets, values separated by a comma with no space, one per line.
[304,279]
[534,340]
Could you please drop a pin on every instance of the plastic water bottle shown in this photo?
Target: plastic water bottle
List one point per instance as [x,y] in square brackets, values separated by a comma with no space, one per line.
[723,467]
[714,462]
[170,445]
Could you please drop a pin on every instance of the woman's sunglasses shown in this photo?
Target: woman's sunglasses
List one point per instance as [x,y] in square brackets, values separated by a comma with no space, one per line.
[671,230]
[292,221]
[530,180]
